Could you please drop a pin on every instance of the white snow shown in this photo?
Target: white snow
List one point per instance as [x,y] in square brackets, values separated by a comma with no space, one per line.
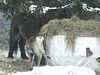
[58,70]
[87,8]
[62,57]
[5,53]
[47,8]
[33,7]
[91,42]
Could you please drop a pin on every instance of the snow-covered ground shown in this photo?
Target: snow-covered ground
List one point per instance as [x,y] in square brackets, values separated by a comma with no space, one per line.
[58,70]
[61,57]
[79,65]
[18,64]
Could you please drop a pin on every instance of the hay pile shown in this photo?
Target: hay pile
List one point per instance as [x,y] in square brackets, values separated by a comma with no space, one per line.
[71,28]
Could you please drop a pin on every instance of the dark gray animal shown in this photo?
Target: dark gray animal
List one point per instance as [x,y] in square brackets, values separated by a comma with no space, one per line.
[23,26]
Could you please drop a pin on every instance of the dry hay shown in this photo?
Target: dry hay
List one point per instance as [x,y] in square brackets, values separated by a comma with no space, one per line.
[71,28]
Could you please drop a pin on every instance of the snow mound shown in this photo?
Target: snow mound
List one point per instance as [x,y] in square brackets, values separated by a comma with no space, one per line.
[58,70]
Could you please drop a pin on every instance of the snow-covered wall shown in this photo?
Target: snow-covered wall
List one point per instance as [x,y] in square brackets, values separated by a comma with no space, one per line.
[4,32]
[61,55]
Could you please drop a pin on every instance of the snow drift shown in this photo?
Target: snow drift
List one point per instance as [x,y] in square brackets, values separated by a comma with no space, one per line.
[58,70]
